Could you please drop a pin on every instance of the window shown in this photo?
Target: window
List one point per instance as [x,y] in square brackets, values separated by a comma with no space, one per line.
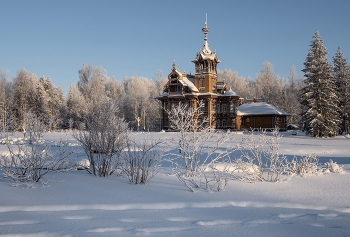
[201,84]
[166,106]
[203,108]
[224,123]
[224,108]
[218,123]
[232,108]
[213,84]
[247,120]
[218,108]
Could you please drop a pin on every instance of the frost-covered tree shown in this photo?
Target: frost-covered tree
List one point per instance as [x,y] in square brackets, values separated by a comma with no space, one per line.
[95,89]
[24,95]
[50,102]
[240,85]
[5,99]
[140,108]
[115,91]
[269,86]
[341,80]
[345,109]
[39,96]
[76,107]
[293,88]
[320,116]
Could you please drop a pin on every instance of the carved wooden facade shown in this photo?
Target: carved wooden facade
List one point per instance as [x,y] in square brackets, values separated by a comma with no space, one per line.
[220,104]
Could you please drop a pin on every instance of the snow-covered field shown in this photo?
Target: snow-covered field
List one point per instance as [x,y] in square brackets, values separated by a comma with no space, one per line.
[79,204]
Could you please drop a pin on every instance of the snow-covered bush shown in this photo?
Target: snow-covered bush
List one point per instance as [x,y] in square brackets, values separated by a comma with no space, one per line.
[305,165]
[308,165]
[261,159]
[198,147]
[141,161]
[104,140]
[214,178]
[333,167]
[32,158]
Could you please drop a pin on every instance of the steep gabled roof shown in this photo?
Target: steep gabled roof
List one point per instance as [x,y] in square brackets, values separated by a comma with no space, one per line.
[183,79]
[186,82]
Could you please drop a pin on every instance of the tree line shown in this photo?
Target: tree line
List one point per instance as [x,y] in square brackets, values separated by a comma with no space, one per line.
[135,96]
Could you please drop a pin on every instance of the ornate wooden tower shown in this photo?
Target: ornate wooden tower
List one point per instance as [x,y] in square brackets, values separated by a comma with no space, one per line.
[206,67]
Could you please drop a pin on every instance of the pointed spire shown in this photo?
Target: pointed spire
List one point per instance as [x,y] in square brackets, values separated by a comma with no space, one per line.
[205,29]
[206,49]
[174,66]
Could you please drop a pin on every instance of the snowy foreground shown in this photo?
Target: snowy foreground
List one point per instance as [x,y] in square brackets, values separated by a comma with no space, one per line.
[79,204]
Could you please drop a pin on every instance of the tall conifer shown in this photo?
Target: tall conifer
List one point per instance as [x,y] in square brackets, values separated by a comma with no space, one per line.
[341,79]
[320,116]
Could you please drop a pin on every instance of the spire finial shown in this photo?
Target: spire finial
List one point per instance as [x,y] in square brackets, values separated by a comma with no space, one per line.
[174,67]
[206,20]
[205,29]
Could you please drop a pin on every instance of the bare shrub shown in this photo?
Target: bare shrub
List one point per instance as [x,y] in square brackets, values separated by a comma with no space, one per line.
[309,164]
[198,144]
[261,159]
[141,161]
[199,147]
[104,140]
[32,158]
[305,165]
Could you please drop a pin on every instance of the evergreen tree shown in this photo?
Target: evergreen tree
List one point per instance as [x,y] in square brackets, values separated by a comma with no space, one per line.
[342,83]
[346,100]
[319,98]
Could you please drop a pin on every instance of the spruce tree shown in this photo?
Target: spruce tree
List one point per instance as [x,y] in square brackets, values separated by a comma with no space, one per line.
[320,116]
[341,80]
[345,89]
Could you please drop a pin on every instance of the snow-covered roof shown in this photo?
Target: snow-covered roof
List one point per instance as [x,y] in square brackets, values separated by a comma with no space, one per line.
[261,108]
[186,82]
[183,79]
[230,93]
[206,54]
[206,49]
[161,96]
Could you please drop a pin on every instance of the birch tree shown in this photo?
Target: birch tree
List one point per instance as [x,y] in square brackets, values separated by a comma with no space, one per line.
[5,100]
[242,86]
[24,95]
[269,86]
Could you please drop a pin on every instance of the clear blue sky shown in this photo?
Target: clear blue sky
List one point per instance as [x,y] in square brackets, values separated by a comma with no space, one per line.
[54,38]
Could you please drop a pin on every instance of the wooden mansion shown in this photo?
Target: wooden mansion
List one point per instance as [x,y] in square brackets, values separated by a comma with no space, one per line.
[222,106]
